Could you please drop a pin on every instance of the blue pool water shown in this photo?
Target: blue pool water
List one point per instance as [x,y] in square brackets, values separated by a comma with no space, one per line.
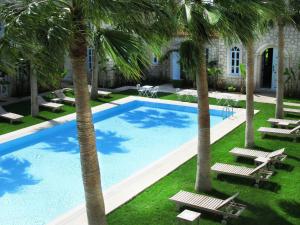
[40,175]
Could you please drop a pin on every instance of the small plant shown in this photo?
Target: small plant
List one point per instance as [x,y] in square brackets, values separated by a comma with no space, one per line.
[214,72]
[231,88]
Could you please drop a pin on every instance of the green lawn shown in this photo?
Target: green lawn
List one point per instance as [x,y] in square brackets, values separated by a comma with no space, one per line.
[277,202]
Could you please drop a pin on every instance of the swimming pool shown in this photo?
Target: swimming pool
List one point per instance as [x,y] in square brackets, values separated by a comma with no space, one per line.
[40,175]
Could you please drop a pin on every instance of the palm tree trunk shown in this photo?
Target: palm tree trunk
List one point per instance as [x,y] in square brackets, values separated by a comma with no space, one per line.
[34,92]
[95,75]
[249,139]
[203,182]
[280,77]
[86,134]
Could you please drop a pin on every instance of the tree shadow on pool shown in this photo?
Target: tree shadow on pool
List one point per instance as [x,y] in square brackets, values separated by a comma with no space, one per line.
[154,118]
[13,175]
[108,142]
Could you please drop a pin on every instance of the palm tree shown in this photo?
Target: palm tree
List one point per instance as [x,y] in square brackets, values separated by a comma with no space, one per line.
[63,24]
[95,77]
[202,21]
[288,15]
[254,17]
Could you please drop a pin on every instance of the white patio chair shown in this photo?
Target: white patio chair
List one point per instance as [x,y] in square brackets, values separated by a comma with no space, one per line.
[153,92]
[140,90]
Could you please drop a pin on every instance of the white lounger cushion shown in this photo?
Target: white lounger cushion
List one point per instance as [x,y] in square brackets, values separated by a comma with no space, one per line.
[104,93]
[290,110]
[52,105]
[236,170]
[232,169]
[11,116]
[274,130]
[251,153]
[197,200]
[279,121]
[43,102]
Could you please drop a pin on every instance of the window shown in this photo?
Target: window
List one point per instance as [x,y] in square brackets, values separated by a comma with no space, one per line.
[235,60]
[207,55]
[90,59]
[1,29]
[154,59]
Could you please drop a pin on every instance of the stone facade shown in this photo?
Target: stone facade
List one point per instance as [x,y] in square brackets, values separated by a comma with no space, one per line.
[220,51]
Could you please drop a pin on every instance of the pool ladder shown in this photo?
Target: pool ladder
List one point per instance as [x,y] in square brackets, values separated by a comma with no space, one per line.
[227,111]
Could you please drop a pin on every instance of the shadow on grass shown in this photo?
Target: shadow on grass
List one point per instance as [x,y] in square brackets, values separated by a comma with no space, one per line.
[245,160]
[290,207]
[265,185]
[284,166]
[294,158]
[286,139]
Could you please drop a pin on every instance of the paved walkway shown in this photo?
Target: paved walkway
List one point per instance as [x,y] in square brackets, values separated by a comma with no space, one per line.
[168,88]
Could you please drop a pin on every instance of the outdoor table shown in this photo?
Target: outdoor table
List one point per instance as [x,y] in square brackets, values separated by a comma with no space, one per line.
[188,216]
[147,89]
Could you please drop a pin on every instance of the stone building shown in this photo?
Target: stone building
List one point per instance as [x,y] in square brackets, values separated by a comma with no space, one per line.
[227,58]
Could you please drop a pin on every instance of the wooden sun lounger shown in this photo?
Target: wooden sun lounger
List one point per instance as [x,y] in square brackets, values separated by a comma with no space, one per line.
[12,117]
[291,111]
[49,105]
[260,173]
[275,156]
[277,132]
[291,104]
[226,208]
[100,93]
[104,93]
[283,123]
[61,97]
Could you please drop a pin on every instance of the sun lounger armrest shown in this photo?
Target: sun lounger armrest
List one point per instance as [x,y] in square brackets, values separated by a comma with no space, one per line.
[276,153]
[259,167]
[228,200]
[293,131]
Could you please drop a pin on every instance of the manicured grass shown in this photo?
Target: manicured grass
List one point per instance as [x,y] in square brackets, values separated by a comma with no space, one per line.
[23,108]
[277,202]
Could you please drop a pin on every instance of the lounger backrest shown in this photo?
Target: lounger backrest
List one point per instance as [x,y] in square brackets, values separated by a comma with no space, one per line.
[293,131]
[2,111]
[228,200]
[41,100]
[59,94]
[259,167]
[276,153]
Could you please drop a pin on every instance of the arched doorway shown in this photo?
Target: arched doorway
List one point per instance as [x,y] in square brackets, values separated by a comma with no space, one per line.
[269,65]
[266,66]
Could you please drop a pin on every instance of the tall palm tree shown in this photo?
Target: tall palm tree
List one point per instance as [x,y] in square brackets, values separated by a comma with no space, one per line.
[289,15]
[64,23]
[203,21]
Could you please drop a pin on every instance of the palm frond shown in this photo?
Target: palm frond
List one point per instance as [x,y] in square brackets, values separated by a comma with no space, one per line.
[127,51]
